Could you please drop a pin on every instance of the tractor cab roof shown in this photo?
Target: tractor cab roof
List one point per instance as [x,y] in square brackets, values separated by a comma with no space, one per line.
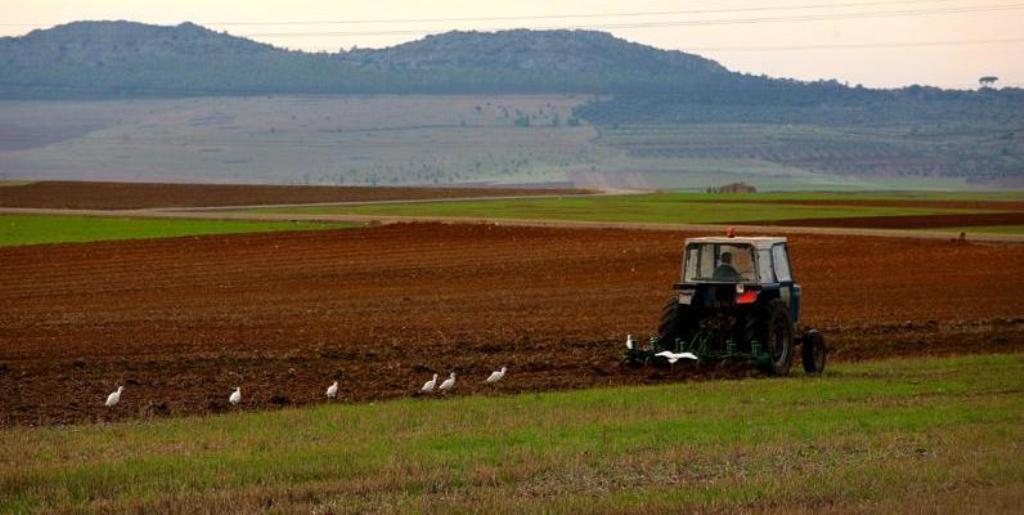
[760,242]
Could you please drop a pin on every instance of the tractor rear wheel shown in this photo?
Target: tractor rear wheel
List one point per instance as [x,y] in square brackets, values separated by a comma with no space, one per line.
[814,352]
[677,323]
[669,325]
[773,329]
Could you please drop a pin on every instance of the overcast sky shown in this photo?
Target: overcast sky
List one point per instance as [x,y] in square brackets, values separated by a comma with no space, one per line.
[948,43]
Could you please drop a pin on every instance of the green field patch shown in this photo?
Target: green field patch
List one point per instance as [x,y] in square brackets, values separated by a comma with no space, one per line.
[863,435]
[38,229]
[697,208]
[989,229]
[840,196]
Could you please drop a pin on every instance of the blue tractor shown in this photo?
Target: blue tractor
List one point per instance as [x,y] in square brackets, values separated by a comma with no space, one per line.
[737,300]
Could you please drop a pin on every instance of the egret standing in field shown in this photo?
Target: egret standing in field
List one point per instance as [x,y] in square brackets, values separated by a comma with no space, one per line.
[629,341]
[114,397]
[236,397]
[428,387]
[497,375]
[448,384]
[332,391]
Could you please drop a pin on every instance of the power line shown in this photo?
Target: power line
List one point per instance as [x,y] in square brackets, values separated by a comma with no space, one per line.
[839,5]
[894,44]
[601,15]
[681,23]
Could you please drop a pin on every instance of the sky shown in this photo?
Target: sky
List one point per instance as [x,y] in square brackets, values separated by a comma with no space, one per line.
[877,43]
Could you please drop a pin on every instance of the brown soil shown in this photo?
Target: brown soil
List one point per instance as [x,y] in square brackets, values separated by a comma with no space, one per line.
[181,321]
[126,195]
[908,221]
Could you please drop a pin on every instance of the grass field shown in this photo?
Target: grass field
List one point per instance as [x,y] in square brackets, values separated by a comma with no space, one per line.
[994,229]
[662,207]
[912,195]
[36,229]
[878,436]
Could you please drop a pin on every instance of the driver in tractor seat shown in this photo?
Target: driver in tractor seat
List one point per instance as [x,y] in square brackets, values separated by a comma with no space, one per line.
[725,270]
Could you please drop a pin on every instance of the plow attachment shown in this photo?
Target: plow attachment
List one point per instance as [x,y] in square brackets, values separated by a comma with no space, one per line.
[709,346]
[700,348]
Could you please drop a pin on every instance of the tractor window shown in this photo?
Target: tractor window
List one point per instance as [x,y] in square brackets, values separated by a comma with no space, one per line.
[781,263]
[764,266]
[713,262]
[692,259]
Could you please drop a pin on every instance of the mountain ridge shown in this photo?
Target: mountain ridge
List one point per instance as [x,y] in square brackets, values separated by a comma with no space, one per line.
[125,59]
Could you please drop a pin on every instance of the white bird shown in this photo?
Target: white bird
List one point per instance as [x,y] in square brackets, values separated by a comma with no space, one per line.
[448,384]
[114,397]
[332,391]
[629,341]
[429,385]
[673,357]
[497,375]
[236,397]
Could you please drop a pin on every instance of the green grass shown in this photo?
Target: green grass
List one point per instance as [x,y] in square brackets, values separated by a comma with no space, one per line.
[37,229]
[913,195]
[662,207]
[882,436]
[994,229]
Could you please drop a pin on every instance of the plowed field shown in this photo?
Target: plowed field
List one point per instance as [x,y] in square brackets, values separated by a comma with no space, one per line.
[181,321]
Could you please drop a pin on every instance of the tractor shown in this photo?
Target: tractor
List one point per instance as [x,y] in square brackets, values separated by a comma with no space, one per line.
[737,301]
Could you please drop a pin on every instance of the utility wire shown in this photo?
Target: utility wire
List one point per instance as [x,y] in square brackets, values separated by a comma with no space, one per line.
[834,5]
[680,23]
[894,44]
[601,15]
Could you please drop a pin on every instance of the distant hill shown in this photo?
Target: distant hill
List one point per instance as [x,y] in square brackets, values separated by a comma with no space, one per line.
[547,51]
[127,59]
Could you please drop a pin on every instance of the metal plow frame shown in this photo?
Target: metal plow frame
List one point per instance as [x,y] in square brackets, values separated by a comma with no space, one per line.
[703,345]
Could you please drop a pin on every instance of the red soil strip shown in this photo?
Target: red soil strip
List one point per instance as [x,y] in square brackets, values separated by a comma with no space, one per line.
[125,195]
[181,321]
[907,221]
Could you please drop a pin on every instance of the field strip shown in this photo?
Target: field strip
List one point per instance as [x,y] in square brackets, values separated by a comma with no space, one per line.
[863,436]
[208,214]
[349,203]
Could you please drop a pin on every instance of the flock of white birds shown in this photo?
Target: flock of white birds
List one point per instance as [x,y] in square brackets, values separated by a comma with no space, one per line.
[430,386]
[332,391]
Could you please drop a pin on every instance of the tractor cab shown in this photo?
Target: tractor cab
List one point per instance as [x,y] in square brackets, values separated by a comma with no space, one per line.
[735,272]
